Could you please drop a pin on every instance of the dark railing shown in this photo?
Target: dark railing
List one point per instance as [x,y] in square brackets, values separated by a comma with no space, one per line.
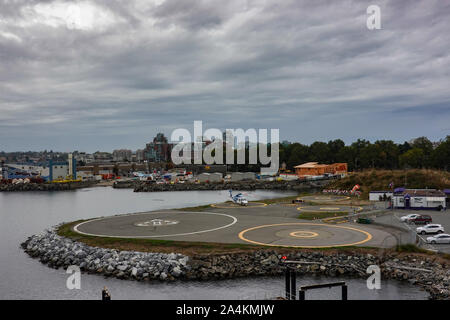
[291,283]
[342,284]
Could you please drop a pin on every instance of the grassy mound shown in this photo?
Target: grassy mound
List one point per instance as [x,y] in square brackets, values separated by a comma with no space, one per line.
[372,180]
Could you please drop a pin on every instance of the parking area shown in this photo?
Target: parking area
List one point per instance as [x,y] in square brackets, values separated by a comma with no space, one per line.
[439,217]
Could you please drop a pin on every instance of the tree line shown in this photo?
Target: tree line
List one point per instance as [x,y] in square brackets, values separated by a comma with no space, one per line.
[362,154]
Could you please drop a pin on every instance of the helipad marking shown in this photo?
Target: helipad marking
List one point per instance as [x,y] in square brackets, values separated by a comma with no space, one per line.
[234,205]
[304,234]
[156,223]
[157,236]
[241,235]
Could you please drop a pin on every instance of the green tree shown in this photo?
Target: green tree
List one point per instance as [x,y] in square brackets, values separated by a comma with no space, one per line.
[423,143]
[334,147]
[388,154]
[402,148]
[348,154]
[320,152]
[299,154]
[440,157]
[413,158]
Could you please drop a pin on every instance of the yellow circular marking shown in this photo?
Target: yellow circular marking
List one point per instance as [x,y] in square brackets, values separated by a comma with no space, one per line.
[241,235]
[329,208]
[235,205]
[358,209]
[304,234]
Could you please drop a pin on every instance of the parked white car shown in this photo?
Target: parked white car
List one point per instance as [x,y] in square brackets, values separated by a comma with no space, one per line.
[430,228]
[439,238]
[409,217]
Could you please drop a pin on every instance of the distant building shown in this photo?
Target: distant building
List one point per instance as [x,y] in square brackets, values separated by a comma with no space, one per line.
[158,150]
[84,157]
[140,155]
[122,155]
[103,156]
[419,199]
[50,170]
[316,169]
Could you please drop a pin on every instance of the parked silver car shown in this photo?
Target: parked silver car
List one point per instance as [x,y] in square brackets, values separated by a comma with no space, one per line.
[430,228]
[439,238]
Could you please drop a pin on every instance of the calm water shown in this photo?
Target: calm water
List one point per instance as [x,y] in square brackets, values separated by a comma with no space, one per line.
[24,214]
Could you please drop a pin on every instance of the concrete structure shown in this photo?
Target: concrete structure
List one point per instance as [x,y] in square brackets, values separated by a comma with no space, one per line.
[375,195]
[72,166]
[419,199]
[211,177]
[316,169]
[240,176]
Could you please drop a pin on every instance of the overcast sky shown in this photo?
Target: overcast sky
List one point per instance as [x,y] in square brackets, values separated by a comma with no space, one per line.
[101,75]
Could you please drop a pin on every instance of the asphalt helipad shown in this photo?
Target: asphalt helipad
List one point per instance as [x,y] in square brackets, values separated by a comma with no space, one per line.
[324,198]
[158,224]
[305,235]
[271,225]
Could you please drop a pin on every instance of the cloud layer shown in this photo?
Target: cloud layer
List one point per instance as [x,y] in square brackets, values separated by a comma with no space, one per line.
[104,74]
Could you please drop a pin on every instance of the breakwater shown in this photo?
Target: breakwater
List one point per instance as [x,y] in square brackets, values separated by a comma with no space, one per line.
[60,252]
[240,185]
[9,187]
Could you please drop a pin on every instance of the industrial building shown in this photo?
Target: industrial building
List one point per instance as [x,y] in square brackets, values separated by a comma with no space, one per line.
[316,169]
[49,171]
[419,199]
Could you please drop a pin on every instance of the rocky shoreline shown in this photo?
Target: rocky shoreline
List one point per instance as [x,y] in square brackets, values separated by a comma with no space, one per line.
[45,186]
[241,185]
[56,251]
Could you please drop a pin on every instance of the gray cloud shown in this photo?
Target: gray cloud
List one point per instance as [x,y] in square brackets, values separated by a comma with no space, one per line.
[114,73]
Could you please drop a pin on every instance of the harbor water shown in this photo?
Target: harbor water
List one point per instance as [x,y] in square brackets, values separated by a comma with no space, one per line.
[26,213]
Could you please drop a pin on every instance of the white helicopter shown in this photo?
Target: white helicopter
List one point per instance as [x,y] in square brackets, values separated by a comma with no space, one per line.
[239,199]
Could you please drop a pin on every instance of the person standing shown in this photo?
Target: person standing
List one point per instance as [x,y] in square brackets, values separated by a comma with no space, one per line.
[106,296]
